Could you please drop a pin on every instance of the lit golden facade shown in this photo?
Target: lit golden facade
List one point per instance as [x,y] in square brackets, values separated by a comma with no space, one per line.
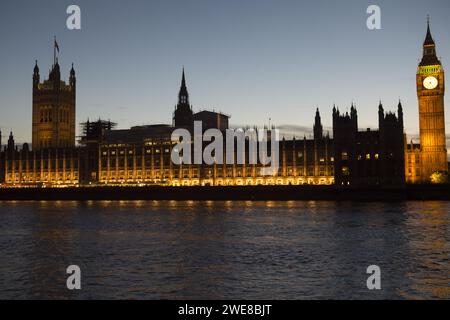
[142,155]
[430,92]
[413,163]
[53,110]
[46,167]
[301,162]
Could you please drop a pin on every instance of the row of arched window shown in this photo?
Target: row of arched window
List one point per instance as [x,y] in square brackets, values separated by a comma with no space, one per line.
[46,115]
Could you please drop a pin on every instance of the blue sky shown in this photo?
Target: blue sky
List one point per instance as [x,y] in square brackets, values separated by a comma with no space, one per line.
[254,60]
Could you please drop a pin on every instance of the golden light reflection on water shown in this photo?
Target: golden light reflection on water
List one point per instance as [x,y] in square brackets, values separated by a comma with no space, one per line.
[209,203]
[186,204]
[270,204]
[190,203]
[291,204]
[429,226]
[193,243]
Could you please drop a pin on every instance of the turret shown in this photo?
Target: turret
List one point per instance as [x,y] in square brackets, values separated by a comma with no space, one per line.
[72,78]
[400,114]
[36,77]
[11,142]
[380,116]
[354,117]
[353,112]
[55,75]
[318,128]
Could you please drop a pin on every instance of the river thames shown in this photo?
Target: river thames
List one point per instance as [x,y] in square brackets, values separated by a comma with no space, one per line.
[224,250]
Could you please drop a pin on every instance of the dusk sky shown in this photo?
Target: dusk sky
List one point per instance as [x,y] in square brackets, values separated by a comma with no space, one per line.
[254,60]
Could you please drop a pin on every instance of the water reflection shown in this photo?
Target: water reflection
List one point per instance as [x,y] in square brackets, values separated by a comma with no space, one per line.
[220,250]
[431,249]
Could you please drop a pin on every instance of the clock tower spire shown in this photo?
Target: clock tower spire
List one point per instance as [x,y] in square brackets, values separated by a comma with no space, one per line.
[429,49]
[430,93]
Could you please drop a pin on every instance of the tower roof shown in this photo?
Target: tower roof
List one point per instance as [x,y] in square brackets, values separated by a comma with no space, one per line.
[429,57]
[429,38]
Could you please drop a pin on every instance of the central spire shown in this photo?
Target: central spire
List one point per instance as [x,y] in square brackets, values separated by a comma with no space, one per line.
[183,80]
[183,96]
[183,115]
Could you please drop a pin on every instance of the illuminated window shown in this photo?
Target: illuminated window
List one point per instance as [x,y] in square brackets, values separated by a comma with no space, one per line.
[368,156]
[344,155]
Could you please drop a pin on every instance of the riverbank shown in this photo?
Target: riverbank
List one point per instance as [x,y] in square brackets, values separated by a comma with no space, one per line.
[410,192]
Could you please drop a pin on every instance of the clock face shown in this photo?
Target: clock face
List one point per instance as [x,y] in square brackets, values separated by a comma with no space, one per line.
[430,83]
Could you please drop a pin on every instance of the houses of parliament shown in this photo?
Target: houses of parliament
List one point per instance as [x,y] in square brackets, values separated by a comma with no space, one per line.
[141,155]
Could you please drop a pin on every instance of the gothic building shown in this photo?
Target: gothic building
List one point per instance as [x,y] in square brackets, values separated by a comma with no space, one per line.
[39,167]
[54,112]
[141,155]
[430,156]
[371,157]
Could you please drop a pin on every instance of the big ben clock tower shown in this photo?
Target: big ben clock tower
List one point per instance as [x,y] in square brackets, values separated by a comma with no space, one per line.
[430,92]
